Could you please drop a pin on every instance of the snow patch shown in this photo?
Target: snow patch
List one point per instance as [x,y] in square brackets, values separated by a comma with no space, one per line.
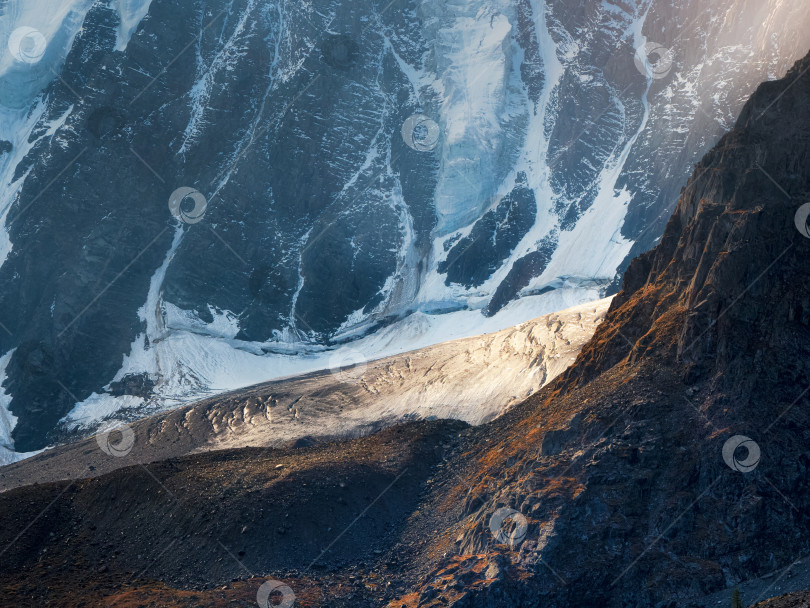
[16,126]
[131,13]
[8,420]
[58,22]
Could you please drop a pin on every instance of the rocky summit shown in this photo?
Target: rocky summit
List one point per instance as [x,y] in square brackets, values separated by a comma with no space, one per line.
[200,195]
[666,467]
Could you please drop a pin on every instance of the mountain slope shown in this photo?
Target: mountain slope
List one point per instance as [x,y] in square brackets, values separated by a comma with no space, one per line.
[792,600]
[363,163]
[624,489]
[708,340]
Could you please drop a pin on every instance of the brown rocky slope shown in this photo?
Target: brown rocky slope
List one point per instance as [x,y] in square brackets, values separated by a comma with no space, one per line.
[616,469]
[628,498]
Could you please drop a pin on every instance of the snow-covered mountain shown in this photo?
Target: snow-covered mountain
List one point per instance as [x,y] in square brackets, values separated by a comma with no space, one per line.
[388,174]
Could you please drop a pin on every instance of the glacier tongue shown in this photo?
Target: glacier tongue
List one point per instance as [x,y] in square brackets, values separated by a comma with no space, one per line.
[190,360]
[474,379]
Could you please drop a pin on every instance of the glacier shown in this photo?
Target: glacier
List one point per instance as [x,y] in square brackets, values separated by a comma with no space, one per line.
[325,234]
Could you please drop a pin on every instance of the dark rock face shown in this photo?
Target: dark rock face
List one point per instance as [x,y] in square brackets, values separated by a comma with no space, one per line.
[524,269]
[474,258]
[139,385]
[320,218]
